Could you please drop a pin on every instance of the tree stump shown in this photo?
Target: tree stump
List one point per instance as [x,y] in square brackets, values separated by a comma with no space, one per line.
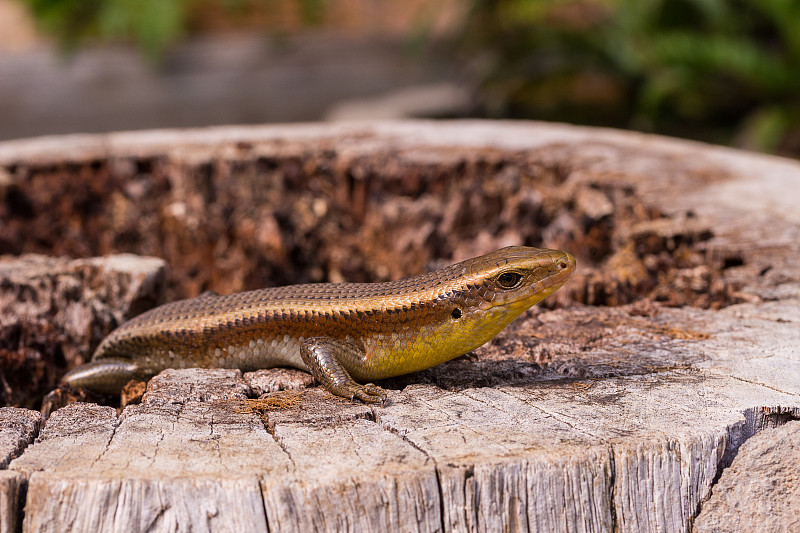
[619,406]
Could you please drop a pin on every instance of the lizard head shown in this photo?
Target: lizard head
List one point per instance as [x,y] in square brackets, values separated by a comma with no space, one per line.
[518,277]
[483,295]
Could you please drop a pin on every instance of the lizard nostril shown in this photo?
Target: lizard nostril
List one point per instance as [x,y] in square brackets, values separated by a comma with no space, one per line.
[562,265]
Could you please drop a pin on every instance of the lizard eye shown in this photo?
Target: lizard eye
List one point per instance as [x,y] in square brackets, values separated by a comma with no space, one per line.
[509,280]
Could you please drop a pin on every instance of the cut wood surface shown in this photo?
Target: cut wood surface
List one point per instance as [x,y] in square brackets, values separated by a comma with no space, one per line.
[579,418]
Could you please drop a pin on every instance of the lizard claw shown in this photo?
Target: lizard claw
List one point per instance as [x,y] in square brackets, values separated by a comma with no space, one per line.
[369,393]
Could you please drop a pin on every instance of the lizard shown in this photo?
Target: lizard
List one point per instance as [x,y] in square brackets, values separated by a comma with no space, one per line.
[342,333]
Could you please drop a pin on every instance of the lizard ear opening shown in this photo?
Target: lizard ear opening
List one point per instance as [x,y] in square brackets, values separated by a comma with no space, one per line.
[456,313]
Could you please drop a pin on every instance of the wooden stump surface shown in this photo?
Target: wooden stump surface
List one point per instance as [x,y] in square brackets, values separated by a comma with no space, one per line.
[634,423]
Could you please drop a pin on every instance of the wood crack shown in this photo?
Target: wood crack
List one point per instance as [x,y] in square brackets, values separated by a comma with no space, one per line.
[758,383]
[757,419]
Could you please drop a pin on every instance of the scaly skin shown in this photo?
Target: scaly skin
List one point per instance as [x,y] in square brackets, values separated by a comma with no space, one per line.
[340,332]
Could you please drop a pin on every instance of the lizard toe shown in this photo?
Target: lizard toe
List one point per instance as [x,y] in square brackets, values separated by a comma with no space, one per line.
[369,393]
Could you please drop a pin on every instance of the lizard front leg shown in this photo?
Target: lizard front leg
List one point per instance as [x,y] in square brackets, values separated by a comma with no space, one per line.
[324,356]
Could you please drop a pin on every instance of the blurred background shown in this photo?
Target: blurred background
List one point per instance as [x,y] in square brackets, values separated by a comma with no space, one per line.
[724,71]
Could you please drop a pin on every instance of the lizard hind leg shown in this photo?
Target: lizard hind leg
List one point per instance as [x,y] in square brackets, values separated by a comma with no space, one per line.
[106,376]
[324,356]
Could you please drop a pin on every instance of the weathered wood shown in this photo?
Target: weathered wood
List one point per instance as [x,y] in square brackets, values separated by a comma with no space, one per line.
[11,500]
[276,379]
[573,419]
[18,428]
[760,490]
[52,310]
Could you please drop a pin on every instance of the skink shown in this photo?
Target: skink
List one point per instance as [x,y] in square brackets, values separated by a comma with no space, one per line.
[341,333]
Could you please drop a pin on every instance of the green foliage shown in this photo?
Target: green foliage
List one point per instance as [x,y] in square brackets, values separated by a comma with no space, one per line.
[690,67]
[152,24]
